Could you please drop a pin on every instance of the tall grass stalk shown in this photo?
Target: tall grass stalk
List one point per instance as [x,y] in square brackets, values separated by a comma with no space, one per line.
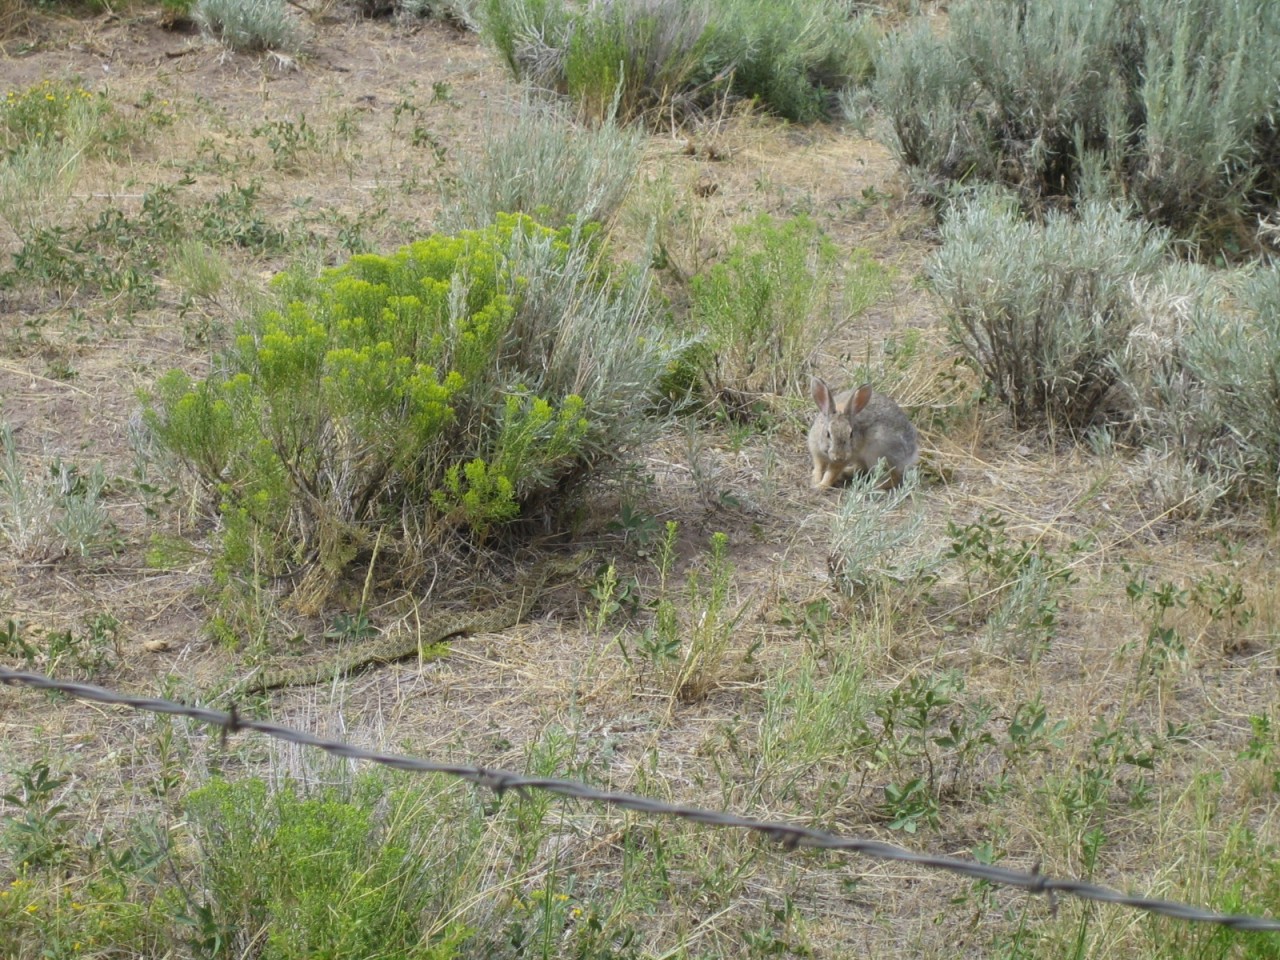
[813,729]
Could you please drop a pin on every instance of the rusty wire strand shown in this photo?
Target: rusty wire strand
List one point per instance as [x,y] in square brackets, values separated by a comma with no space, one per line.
[790,836]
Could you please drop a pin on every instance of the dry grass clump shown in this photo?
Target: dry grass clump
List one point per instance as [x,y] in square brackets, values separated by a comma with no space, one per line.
[15,17]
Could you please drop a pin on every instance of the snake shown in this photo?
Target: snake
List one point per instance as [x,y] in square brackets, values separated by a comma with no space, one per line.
[428,639]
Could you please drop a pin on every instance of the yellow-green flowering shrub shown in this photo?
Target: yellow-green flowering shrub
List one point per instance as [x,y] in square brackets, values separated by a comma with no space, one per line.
[417,397]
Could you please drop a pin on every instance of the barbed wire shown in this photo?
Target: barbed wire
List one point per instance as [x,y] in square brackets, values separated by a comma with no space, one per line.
[790,836]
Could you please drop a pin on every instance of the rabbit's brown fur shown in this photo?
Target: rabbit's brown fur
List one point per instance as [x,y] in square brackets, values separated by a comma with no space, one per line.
[854,431]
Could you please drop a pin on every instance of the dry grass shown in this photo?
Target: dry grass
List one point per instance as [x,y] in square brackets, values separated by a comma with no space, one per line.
[15,16]
[366,88]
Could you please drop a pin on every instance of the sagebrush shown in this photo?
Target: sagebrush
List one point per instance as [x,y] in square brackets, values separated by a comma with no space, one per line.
[1204,376]
[249,25]
[541,164]
[1172,104]
[663,59]
[1045,311]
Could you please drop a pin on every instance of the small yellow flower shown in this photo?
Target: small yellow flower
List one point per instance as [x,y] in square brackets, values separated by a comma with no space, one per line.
[32,908]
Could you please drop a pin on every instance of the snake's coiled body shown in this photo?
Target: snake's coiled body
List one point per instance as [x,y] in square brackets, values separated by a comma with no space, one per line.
[518,604]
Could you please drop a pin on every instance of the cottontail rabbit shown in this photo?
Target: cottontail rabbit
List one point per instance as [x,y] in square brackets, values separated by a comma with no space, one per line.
[855,431]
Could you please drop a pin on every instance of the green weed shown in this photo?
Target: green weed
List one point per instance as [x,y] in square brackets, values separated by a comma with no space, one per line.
[291,141]
[63,652]
[813,731]
[687,654]
[1016,586]
[198,270]
[123,255]
[46,131]
[715,615]
[48,112]
[38,837]
[767,309]
[660,642]
[231,219]
[54,516]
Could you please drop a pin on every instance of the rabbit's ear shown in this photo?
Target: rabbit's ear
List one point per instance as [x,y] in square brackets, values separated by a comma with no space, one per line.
[860,398]
[822,395]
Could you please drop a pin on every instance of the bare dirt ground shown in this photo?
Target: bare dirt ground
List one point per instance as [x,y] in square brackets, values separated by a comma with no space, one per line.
[494,695]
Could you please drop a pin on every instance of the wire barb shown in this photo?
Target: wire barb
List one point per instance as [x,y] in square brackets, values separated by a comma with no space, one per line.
[790,836]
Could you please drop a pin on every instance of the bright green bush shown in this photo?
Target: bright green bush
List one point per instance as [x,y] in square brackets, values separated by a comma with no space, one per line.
[764,311]
[416,398]
[650,58]
[337,882]
[1174,102]
[1045,311]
